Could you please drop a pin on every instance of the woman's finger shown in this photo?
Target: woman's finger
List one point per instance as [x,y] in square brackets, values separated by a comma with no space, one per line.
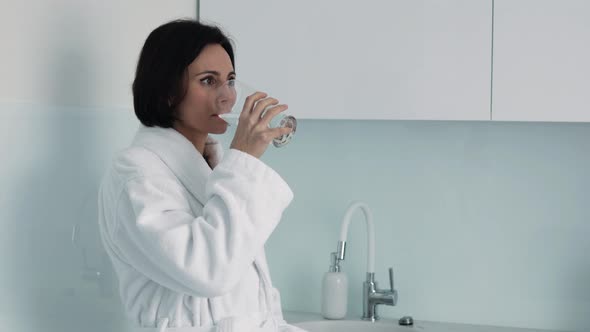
[272,112]
[261,105]
[278,132]
[251,100]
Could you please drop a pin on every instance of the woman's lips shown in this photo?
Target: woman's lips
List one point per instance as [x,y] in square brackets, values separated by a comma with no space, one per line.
[221,118]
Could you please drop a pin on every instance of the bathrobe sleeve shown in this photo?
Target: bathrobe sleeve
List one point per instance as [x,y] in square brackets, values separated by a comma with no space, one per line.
[204,255]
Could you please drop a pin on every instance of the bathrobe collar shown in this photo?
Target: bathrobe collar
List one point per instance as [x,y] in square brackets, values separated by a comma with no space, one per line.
[181,156]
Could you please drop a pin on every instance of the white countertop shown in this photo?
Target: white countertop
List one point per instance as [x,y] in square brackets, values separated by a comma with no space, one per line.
[294,317]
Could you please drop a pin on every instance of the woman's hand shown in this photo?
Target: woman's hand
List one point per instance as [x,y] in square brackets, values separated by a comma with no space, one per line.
[253,134]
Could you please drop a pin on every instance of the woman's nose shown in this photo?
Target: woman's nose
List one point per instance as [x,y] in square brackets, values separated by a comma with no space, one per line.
[226,95]
[227,91]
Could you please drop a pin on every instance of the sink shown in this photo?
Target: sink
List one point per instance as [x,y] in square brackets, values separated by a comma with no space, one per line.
[351,326]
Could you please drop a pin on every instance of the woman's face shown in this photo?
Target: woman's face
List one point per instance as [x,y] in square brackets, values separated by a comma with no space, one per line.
[207,93]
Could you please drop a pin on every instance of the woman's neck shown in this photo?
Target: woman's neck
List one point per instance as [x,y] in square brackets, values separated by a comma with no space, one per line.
[197,138]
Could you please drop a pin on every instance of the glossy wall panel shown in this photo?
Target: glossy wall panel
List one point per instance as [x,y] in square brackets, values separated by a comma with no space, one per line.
[484,223]
[52,161]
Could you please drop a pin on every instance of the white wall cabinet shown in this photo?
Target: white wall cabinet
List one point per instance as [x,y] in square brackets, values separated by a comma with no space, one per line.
[541,60]
[332,59]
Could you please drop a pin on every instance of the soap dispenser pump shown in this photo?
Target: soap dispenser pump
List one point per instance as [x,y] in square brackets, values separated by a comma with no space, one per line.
[334,291]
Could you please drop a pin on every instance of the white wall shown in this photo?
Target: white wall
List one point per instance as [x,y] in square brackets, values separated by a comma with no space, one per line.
[66,70]
[82,53]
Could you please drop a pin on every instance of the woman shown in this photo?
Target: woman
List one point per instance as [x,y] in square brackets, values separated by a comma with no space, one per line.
[184,228]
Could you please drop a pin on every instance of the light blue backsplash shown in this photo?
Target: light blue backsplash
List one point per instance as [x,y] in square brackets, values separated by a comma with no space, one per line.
[483,222]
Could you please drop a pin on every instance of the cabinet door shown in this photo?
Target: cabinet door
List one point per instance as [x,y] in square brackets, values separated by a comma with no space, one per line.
[373,59]
[541,60]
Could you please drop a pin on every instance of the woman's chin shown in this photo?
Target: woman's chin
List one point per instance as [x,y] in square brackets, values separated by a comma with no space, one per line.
[218,130]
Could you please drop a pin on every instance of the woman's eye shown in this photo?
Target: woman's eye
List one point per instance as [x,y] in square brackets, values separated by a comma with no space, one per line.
[208,81]
[231,82]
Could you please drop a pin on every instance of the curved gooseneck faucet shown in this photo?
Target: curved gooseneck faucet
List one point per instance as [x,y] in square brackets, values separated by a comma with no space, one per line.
[370,234]
[372,296]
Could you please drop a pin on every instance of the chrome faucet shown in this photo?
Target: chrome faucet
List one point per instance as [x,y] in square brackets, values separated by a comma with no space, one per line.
[372,296]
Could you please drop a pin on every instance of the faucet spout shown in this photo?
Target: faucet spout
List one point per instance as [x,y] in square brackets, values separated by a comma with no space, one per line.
[370,233]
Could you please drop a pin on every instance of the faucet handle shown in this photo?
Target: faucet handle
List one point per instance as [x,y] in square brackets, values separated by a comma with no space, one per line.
[391,279]
[393,291]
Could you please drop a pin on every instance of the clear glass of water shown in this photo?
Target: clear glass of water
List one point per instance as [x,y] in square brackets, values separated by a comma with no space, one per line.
[281,120]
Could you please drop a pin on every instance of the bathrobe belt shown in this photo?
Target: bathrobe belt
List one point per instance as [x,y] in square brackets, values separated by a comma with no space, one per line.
[232,324]
[261,322]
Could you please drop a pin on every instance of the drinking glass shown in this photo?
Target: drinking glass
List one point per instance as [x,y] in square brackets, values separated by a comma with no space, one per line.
[280,120]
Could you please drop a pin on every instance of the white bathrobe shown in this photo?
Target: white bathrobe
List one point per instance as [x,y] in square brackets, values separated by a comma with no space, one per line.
[186,241]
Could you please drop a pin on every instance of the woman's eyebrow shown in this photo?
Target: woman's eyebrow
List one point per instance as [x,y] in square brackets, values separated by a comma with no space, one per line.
[214,72]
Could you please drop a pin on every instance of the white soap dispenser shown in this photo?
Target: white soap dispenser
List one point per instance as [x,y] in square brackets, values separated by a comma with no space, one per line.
[334,291]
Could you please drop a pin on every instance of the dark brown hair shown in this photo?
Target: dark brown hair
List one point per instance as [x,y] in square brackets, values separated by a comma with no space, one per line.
[159,84]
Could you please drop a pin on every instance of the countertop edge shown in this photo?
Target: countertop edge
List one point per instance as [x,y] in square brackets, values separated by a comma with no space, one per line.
[296,317]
